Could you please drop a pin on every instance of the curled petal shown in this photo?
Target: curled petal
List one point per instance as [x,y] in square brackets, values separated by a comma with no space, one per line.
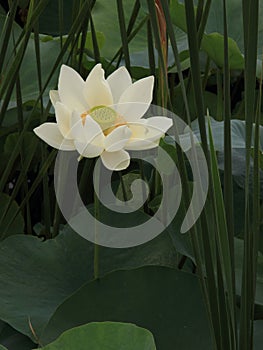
[70,88]
[50,133]
[63,117]
[119,81]
[97,91]
[119,160]
[54,97]
[136,99]
[117,139]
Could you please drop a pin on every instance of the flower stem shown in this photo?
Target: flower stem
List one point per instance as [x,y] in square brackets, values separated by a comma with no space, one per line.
[97,219]
[145,205]
[96,260]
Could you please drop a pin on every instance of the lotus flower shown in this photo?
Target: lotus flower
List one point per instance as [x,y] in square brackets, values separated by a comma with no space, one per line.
[103,117]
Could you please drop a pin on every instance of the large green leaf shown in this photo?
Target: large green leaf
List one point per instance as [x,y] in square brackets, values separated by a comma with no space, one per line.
[165,301]
[6,213]
[212,43]
[238,133]
[35,276]
[103,336]
[234,22]
[238,139]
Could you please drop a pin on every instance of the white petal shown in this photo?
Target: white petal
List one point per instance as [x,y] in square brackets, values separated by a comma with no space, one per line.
[161,124]
[49,132]
[119,81]
[139,139]
[88,150]
[141,145]
[119,160]
[138,129]
[93,133]
[117,139]
[70,88]
[63,117]
[89,139]
[146,133]
[54,97]
[136,99]
[97,91]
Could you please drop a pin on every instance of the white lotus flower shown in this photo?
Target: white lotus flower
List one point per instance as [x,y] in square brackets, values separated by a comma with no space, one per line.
[103,117]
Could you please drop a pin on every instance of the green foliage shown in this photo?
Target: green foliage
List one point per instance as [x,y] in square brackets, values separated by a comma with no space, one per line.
[28,73]
[12,339]
[239,247]
[24,292]
[47,288]
[7,210]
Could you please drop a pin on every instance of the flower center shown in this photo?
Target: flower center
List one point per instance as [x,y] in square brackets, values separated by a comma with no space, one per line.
[106,117]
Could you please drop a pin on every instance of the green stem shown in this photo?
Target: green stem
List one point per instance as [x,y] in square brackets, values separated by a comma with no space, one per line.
[219,111]
[124,192]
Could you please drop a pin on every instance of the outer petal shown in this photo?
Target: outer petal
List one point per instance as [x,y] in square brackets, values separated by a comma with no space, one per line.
[119,160]
[54,97]
[49,132]
[119,81]
[136,99]
[77,128]
[117,139]
[70,88]
[146,133]
[63,117]
[97,91]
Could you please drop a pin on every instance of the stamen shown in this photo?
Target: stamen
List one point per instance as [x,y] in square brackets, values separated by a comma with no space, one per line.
[106,117]
[83,117]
